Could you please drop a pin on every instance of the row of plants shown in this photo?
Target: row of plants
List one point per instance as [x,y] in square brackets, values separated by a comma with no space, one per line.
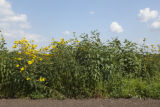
[88,68]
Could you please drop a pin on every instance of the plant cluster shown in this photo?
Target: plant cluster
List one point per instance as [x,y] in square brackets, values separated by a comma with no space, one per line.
[80,69]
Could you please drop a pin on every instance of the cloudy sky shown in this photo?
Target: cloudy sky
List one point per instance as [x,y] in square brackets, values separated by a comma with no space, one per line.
[42,20]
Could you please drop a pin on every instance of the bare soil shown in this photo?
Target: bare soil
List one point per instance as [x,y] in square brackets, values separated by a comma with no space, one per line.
[80,103]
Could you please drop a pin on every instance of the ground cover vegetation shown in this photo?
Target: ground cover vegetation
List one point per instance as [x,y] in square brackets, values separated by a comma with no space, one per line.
[88,68]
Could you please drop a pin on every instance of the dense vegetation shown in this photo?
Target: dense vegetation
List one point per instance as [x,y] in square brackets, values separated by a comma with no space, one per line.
[80,69]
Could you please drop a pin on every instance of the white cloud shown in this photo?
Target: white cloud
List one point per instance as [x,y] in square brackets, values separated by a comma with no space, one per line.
[15,18]
[13,24]
[19,34]
[66,32]
[155,25]
[147,14]
[5,8]
[116,28]
[91,12]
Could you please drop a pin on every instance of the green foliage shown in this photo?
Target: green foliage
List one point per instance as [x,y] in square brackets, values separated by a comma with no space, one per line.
[85,69]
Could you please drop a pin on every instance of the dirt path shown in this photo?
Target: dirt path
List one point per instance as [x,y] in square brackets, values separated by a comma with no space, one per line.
[80,103]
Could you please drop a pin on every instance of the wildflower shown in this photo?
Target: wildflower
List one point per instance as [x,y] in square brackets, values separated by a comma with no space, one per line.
[17,65]
[28,44]
[62,41]
[14,46]
[19,59]
[26,41]
[34,46]
[34,56]
[36,51]
[53,46]
[30,62]
[22,69]
[46,48]
[27,78]
[20,41]
[30,50]
[27,53]
[19,53]
[15,42]
[42,79]
[40,59]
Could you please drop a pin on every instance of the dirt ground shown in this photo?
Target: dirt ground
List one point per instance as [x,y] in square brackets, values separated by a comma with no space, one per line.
[79,103]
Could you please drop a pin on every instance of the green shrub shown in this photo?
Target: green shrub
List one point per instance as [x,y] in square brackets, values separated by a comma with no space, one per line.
[79,69]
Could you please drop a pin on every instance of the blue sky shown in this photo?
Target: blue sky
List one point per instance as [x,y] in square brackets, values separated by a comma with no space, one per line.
[45,19]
